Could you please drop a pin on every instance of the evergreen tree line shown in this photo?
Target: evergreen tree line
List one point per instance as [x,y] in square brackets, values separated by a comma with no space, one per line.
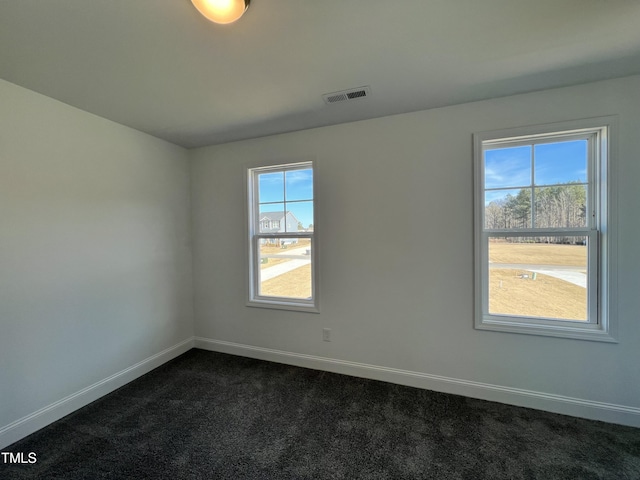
[560,206]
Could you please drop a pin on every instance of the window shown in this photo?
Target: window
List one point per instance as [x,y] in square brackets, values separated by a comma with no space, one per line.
[282,237]
[544,243]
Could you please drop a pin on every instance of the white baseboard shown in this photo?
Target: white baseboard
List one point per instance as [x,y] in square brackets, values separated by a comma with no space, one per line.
[576,407]
[35,421]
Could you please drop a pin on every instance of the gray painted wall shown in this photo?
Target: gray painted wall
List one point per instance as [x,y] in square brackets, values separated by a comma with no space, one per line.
[408,303]
[95,261]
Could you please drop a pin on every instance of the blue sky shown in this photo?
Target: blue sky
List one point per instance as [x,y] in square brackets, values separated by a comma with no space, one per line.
[510,169]
[298,191]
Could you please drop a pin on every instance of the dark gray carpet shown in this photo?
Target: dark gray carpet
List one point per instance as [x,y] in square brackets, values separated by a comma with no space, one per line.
[207,415]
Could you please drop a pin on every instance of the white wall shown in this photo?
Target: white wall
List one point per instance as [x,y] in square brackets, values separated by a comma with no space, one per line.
[400,303]
[95,262]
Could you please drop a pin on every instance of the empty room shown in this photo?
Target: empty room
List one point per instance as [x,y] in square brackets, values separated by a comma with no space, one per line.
[337,239]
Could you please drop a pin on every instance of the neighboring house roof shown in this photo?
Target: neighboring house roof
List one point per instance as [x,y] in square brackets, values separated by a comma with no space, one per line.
[272,215]
[277,217]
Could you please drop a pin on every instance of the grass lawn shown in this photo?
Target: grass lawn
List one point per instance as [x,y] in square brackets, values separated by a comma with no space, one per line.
[538,253]
[543,297]
[294,284]
[509,293]
[269,249]
[547,296]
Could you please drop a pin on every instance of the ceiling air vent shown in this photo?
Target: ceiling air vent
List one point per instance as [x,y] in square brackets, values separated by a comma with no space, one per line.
[346,95]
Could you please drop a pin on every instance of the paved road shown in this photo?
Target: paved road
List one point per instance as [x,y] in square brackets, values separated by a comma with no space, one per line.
[298,257]
[277,270]
[300,252]
[567,273]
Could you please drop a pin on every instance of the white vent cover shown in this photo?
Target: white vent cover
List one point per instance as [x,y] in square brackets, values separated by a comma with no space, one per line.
[346,95]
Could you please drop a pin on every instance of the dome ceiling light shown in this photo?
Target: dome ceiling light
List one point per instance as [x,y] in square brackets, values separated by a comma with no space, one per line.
[221,11]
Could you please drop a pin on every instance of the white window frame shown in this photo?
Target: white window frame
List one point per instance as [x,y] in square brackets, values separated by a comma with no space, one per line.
[255,236]
[600,231]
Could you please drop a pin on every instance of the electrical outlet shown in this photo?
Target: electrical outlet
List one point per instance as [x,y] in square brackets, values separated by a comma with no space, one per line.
[326,334]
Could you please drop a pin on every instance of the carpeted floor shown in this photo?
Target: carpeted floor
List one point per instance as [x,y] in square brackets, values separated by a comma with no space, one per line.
[208,415]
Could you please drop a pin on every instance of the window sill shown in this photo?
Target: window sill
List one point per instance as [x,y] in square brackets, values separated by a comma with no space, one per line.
[578,332]
[283,305]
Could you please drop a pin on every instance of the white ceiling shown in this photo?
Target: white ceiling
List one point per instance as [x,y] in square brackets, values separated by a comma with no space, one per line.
[159,67]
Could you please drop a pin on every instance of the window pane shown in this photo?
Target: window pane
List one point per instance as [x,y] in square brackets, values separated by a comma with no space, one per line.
[507,209]
[285,268]
[271,187]
[300,216]
[563,206]
[507,167]
[299,184]
[544,277]
[561,162]
[271,218]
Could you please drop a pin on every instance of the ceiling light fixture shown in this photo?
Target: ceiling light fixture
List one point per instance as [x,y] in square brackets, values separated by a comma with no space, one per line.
[221,11]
